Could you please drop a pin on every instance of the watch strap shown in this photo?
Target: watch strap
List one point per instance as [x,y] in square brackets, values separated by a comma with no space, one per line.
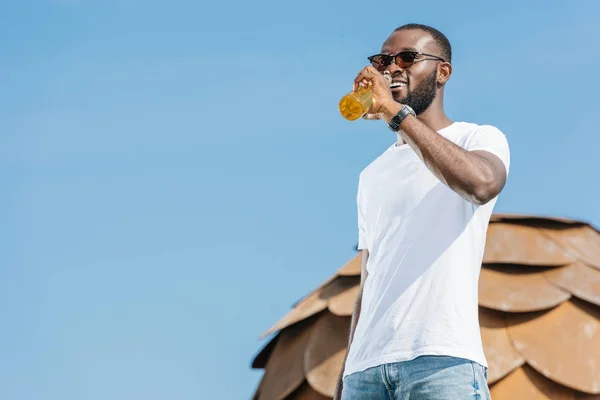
[404,112]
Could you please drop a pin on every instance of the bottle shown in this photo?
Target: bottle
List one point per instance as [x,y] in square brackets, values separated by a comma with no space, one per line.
[356,103]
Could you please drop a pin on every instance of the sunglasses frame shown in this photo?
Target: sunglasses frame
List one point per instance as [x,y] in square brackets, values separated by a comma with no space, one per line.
[393,58]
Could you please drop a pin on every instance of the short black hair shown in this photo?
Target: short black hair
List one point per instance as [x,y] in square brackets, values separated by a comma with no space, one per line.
[441,39]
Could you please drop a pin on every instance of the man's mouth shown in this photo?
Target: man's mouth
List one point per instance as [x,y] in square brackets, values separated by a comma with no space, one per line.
[396,85]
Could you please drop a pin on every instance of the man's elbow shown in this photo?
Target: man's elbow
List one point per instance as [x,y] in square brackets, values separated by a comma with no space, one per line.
[488,178]
[486,190]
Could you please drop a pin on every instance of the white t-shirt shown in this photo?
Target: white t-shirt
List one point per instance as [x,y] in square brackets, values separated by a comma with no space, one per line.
[425,246]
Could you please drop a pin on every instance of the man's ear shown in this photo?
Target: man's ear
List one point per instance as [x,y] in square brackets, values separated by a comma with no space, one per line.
[444,72]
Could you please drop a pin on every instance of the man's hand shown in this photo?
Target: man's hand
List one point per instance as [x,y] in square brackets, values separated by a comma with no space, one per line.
[381,89]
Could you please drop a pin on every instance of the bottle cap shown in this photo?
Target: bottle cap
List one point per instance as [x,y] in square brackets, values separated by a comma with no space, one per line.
[388,77]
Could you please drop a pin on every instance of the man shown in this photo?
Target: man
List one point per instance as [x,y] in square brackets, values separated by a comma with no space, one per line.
[423,210]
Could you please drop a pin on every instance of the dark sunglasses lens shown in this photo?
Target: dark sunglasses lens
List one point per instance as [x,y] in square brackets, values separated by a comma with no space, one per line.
[405,59]
[380,61]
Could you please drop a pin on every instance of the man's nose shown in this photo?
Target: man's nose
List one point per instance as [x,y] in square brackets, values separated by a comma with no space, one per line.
[393,67]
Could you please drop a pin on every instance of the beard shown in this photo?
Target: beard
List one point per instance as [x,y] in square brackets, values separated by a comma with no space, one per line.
[422,96]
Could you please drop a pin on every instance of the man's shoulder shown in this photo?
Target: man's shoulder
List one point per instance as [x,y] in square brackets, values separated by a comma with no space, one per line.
[467,130]
[468,127]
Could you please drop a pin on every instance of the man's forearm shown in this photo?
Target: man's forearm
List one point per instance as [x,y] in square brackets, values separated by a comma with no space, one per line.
[467,173]
[353,323]
[353,320]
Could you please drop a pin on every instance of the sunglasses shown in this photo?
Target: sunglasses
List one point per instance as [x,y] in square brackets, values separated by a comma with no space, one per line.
[404,59]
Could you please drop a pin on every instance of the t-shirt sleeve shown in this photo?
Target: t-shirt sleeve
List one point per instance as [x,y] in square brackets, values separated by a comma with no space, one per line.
[490,138]
[362,237]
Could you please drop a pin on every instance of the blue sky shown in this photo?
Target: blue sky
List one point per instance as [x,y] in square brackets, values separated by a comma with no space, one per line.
[176,174]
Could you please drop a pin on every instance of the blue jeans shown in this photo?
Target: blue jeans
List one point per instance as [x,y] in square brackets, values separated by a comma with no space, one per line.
[424,378]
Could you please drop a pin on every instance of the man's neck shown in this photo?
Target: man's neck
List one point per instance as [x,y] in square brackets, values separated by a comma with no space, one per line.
[433,117]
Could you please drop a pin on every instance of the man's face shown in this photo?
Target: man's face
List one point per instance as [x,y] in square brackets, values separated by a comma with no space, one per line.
[421,77]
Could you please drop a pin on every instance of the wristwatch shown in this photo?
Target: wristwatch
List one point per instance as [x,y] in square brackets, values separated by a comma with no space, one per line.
[404,112]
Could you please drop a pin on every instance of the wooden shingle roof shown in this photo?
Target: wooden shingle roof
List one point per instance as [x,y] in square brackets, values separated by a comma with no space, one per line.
[539,298]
